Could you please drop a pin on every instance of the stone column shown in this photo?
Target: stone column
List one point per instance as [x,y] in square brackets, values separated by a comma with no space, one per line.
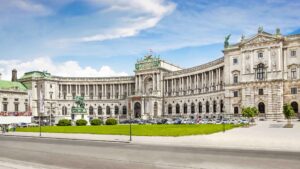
[153,82]
[157,81]
[136,84]
[104,91]
[140,84]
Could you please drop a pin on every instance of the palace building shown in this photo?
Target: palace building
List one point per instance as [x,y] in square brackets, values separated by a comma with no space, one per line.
[261,71]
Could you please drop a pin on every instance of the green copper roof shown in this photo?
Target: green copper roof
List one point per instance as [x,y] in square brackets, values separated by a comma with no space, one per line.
[12,85]
[36,74]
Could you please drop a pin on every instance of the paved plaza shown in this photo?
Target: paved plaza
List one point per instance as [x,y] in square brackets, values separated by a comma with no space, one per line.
[265,135]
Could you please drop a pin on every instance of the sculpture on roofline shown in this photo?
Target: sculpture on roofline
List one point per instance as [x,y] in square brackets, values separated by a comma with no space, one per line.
[226,43]
[260,29]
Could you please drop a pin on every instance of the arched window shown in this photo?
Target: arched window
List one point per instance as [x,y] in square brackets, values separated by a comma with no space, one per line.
[200,107]
[215,106]
[91,110]
[169,109]
[193,108]
[177,109]
[124,110]
[185,108]
[221,106]
[207,107]
[261,107]
[260,72]
[107,110]
[116,110]
[99,110]
[64,110]
[295,107]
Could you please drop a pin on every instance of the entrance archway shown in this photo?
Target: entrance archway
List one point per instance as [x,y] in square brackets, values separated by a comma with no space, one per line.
[295,107]
[261,107]
[137,110]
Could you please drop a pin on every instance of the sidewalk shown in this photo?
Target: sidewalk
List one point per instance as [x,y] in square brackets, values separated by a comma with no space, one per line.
[266,135]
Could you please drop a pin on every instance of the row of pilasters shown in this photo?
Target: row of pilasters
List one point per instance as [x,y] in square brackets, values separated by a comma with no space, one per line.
[95,91]
[198,83]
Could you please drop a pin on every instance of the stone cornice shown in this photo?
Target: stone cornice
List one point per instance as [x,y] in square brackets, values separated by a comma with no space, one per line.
[196,68]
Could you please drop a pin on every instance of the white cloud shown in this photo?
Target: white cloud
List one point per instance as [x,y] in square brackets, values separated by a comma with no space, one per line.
[150,12]
[68,68]
[23,6]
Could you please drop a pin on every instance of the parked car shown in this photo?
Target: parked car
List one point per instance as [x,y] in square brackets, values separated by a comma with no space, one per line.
[22,125]
[32,125]
[211,122]
[243,121]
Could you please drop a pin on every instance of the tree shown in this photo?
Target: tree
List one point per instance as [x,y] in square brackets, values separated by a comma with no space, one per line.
[288,112]
[250,112]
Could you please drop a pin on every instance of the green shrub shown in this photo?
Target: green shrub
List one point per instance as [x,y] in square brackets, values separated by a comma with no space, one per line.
[96,122]
[111,121]
[64,122]
[81,122]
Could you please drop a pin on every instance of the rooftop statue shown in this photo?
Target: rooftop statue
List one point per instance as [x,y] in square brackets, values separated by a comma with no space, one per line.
[278,31]
[226,43]
[260,29]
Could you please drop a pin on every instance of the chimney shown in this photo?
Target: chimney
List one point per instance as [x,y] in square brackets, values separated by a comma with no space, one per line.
[14,76]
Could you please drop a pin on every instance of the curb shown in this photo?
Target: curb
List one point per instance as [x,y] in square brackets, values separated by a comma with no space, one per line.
[74,139]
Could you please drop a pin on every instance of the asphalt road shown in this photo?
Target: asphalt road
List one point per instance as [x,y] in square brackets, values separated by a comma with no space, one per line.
[36,153]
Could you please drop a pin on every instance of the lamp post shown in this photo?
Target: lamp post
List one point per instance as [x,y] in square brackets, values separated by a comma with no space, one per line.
[130,130]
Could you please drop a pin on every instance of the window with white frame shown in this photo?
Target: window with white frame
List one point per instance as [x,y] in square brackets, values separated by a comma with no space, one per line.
[260,55]
[294,90]
[235,94]
[293,73]
[260,91]
[235,79]
[235,61]
[293,53]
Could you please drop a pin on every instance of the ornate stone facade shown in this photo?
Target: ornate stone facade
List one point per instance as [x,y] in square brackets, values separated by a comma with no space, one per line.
[261,71]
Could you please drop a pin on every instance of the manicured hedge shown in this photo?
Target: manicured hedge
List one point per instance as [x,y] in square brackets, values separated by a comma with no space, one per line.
[96,122]
[81,122]
[64,122]
[111,121]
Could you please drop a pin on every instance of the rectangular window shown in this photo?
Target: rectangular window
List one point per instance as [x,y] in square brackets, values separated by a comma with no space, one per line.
[16,100]
[26,107]
[16,107]
[260,91]
[235,79]
[235,94]
[5,107]
[236,110]
[235,61]
[4,99]
[294,90]
[293,53]
[260,55]
[294,73]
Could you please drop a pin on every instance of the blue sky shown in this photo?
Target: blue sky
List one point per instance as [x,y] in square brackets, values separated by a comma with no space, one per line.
[106,37]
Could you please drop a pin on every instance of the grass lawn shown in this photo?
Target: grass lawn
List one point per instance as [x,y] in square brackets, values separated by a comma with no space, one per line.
[137,130]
